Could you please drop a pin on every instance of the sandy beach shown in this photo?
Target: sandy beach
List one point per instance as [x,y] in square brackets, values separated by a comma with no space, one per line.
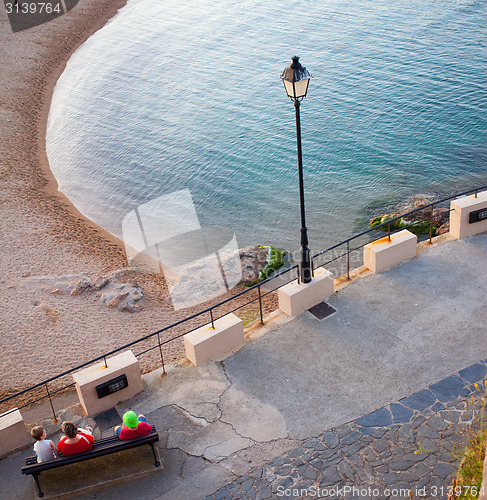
[42,234]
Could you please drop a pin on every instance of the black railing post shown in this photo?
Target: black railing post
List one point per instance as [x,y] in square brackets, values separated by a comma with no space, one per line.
[211,316]
[389,231]
[50,401]
[260,306]
[431,224]
[348,260]
[105,360]
[160,352]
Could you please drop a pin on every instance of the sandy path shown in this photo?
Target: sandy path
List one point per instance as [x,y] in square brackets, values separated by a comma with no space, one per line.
[41,233]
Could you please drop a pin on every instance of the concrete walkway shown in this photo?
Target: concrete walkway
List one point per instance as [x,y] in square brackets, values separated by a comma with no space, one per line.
[257,420]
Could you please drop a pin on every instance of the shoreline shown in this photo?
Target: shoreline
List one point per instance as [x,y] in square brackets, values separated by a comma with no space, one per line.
[52,186]
[43,234]
[41,231]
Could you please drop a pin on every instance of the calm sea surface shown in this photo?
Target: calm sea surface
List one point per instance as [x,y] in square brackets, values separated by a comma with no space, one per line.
[185,94]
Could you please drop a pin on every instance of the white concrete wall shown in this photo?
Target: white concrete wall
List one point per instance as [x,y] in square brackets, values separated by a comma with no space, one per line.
[87,379]
[13,433]
[384,253]
[459,215]
[294,298]
[205,343]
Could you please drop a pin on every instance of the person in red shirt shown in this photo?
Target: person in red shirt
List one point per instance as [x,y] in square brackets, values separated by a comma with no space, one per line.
[133,426]
[75,440]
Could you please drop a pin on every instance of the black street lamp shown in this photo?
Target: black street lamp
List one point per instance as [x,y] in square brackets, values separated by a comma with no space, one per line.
[296,81]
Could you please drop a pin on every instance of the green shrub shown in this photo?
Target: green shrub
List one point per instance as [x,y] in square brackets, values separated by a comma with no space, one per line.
[416,227]
[276,260]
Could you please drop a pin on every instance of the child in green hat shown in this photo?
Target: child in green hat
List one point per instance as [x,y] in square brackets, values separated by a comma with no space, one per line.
[133,426]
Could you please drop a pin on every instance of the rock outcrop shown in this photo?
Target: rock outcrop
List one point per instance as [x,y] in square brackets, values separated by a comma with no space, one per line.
[418,222]
[123,296]
[118,291]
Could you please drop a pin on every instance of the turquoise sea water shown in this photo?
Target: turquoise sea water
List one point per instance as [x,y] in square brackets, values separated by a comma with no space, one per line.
[186,94]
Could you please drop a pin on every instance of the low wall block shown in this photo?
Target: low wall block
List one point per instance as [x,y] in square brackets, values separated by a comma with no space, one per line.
[294,298]
[205,343]
[13,434]
[383,254]
[460,227]
[86,381]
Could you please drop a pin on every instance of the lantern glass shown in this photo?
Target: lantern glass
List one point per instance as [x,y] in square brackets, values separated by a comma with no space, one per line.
[301,88]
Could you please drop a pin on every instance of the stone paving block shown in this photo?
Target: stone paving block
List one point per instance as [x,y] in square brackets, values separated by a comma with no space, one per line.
[330,476]
[425,431]
[367,431]
[406,434]
[447,389]
[443,470]
[283,470]
[437,406]
[392,435]
[419,400]
[221,494]
[390,478]
[399,464]
[327,454]
[438,423]
[265,493]
[351,438]
[297,452]
[365,440]
[351,450]
[429,445]
[311,443]
[379,418]
[381,445]
[400,413]
[330,439]
[343,431]
[310,473]
[379,432]
[284,482]
[346,470]
[418,421]
[260,484]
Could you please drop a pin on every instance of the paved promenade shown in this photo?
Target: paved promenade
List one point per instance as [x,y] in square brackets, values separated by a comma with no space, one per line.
[319,407]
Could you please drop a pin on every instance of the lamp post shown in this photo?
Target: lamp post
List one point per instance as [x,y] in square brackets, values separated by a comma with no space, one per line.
[296,81]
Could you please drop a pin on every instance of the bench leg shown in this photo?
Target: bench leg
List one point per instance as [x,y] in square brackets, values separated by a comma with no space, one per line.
[156,462]
[40,494]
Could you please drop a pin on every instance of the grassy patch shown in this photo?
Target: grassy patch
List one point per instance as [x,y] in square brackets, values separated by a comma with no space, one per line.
[416,227]
[468,480]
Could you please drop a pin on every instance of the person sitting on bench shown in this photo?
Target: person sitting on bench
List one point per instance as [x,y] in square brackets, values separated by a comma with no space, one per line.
[133,426]
[75,440]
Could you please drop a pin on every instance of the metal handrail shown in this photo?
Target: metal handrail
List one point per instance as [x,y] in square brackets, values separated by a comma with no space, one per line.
[210,309]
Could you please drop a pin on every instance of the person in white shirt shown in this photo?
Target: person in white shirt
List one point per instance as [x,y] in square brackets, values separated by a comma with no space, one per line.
[44,448]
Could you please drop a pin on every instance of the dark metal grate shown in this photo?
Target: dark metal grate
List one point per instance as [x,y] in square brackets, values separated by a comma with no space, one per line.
[321,310]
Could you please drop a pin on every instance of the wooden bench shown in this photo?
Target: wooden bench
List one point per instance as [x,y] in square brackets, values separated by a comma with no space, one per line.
[100,448]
